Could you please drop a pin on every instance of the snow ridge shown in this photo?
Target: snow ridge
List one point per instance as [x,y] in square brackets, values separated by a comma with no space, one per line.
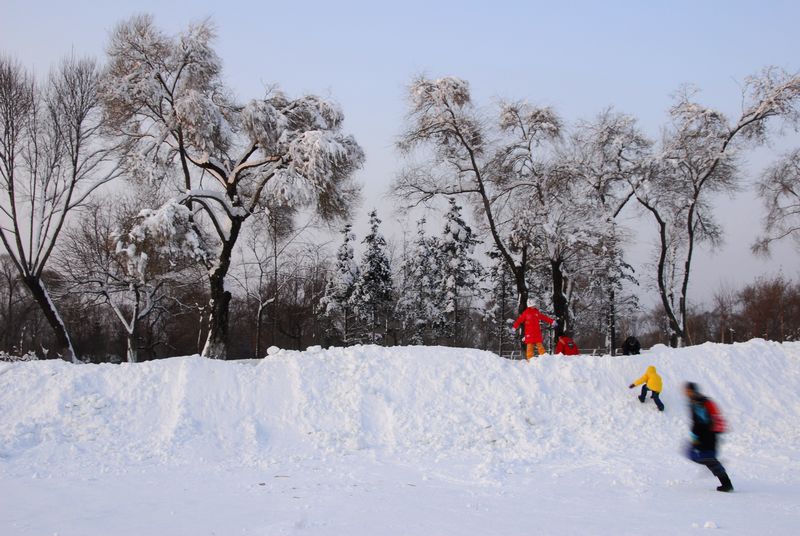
[405,403]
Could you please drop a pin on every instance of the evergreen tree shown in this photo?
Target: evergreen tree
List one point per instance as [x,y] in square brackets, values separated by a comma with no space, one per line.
[418,305]
[501,303]
[459,272]
[335,303]
[609,286]
[373,295]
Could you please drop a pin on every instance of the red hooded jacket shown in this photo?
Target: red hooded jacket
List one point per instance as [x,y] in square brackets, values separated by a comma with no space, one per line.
[566,346]
[531,318]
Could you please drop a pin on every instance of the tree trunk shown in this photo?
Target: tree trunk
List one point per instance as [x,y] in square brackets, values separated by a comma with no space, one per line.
[217,342]
[560,305]
[259,321]
[131,350]
[612,322]
[40,295]
[522,289]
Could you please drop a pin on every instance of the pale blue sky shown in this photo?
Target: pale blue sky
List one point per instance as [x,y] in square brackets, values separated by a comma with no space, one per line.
[578,57]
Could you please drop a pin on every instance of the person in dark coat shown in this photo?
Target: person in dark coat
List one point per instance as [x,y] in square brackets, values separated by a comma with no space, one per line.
[707,423]
[631,346]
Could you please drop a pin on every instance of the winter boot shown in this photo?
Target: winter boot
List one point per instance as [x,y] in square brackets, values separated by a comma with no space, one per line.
[726,483]
[641,398]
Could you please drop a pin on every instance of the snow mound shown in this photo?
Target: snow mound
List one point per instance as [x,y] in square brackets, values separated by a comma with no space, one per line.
[404,403]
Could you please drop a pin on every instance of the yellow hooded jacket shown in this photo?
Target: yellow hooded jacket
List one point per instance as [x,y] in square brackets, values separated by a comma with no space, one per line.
[652,378]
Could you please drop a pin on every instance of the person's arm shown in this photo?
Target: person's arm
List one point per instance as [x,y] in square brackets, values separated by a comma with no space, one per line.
[519,320]
[546,318]
[640,381]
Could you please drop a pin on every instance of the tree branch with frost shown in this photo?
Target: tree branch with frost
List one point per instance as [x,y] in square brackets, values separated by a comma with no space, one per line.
[779,189]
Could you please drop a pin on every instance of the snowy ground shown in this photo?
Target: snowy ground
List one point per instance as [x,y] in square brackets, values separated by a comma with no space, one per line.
[388,441]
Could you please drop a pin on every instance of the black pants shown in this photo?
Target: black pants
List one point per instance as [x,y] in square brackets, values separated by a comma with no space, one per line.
[655,397]
[707,458]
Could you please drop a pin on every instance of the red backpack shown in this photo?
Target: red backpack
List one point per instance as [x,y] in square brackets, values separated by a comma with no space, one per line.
[718,424]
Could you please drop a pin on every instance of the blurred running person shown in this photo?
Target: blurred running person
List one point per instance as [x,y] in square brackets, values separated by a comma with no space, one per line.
[707,423]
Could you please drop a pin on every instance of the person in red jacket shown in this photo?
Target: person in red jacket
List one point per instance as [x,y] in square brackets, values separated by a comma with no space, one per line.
[533,334]
[566,346]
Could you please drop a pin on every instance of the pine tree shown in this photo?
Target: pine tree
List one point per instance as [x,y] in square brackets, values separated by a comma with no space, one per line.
[612,274]
[335,303]
[459,271]
[418,305]
[373,295]
[501,302]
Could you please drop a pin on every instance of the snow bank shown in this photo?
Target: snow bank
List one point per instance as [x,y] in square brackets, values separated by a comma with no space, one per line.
[413,404]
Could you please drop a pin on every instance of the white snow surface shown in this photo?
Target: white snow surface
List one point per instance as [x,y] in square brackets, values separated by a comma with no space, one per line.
[369,440]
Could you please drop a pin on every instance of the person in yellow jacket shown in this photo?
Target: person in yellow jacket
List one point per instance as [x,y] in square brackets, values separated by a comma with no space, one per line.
[652,382]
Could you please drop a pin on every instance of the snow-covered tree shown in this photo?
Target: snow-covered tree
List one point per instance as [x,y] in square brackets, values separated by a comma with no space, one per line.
[463,155]
[459,273]
[697,158]
[603,289]
[126,261]
[779,188]
[166,98]
[418,303]
[603,156]
[373,296]
[51,159]
[335,303]
[501,304]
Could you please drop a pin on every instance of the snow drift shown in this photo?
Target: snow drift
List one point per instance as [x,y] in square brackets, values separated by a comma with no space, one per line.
[408,403]
[395,441]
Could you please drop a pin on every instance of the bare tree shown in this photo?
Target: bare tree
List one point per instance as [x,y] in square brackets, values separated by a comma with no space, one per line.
[697,159]
[15,307]
[51,160]
[166,98]
[779,188]
[272,235]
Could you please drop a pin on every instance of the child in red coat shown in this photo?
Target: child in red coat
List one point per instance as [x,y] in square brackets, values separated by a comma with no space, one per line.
[531,317]
[566,346]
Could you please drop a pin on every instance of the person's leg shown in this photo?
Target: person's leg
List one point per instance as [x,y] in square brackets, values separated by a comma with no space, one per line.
[718,471]
[529,352]
[540,348]
[644,394]
[657,399]
[709,459]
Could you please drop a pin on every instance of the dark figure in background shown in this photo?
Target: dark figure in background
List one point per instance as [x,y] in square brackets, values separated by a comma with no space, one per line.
[631,346]
[707,422]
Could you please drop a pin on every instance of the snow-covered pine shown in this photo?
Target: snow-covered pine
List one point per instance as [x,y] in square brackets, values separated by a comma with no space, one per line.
[373,296]
[419,298]
[165,97]
[335,304]
[459,273]
[501,304]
